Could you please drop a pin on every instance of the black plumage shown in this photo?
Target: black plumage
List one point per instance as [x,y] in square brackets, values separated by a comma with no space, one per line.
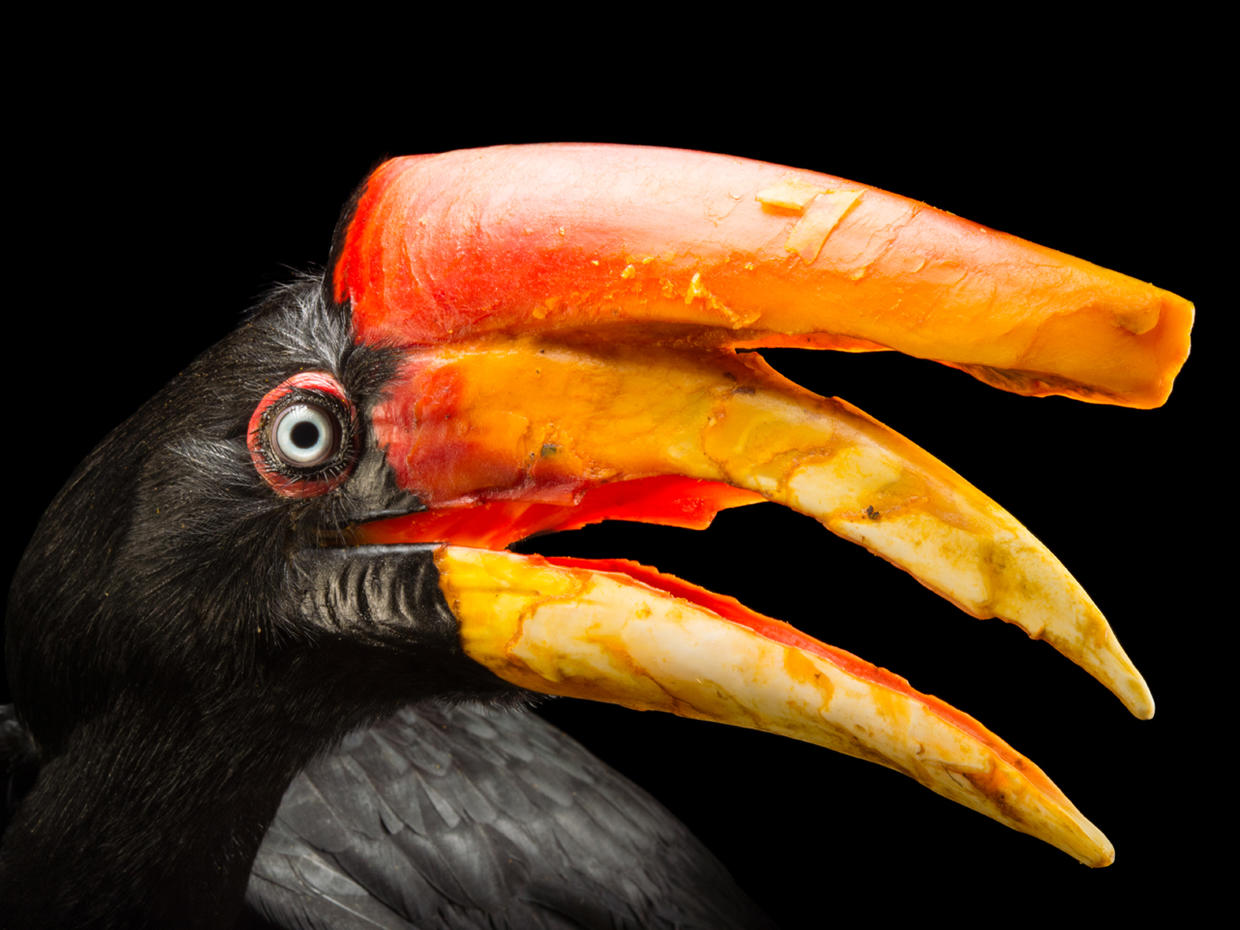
[449,816]
[181,648]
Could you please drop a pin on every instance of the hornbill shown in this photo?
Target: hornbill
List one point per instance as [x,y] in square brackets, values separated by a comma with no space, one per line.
[306,534]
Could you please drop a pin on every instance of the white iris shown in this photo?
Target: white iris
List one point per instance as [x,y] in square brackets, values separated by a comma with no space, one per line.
[304,435]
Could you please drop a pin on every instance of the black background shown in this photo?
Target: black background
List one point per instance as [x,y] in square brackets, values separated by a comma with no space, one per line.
[157,194]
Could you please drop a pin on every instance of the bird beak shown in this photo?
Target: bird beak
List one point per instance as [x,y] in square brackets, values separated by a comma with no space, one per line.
[568,319]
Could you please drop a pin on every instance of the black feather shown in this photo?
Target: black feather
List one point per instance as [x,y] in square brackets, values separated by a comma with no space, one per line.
[489,828]
[182,649]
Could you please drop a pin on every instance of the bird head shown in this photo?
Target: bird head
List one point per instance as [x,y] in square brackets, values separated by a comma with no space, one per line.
[313,521]
[182,556]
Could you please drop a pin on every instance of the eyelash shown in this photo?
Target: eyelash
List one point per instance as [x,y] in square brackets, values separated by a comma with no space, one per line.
[322,398]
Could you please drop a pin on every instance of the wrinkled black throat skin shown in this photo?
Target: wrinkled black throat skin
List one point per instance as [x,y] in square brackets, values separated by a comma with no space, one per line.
[180,644]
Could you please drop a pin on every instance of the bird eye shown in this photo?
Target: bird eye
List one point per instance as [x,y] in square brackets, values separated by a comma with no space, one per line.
[303,435]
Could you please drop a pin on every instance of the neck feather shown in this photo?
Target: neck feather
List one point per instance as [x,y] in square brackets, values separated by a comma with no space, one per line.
[151,819]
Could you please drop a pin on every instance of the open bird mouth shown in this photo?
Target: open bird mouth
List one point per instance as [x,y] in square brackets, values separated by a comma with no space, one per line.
[568,319]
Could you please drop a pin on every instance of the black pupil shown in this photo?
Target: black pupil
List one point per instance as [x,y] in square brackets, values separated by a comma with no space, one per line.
[304,435]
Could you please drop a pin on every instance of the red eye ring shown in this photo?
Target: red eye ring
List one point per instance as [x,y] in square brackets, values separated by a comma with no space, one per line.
[326,405]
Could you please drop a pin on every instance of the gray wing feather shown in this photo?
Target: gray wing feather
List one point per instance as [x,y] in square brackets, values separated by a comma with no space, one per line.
[463,817]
